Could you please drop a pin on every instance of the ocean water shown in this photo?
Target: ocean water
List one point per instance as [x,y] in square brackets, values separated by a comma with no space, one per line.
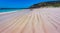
[8,10]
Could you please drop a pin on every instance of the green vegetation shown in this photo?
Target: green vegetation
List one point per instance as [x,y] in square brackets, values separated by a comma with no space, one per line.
[46,4]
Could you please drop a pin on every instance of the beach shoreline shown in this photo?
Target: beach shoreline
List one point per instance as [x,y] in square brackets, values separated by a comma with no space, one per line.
[46,8]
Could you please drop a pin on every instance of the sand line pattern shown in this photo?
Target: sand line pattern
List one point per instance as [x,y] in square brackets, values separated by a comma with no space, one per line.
[45,20]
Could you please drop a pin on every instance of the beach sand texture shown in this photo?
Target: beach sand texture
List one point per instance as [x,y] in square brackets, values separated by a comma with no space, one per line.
[41,20]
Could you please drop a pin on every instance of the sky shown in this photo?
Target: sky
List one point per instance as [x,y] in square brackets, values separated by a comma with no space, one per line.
[19,3]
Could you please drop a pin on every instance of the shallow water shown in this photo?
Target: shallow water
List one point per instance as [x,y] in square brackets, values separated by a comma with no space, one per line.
[8,10]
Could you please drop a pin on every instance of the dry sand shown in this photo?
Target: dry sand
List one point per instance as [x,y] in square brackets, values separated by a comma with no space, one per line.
[41,20]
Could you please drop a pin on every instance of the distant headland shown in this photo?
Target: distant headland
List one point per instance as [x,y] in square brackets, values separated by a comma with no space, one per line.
[46,4]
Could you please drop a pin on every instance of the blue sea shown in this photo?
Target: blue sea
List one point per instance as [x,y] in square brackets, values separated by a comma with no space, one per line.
[8,10]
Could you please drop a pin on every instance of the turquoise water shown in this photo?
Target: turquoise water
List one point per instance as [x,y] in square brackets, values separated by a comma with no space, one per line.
[8,10]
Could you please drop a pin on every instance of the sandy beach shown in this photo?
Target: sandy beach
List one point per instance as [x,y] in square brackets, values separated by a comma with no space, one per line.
[41,20]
